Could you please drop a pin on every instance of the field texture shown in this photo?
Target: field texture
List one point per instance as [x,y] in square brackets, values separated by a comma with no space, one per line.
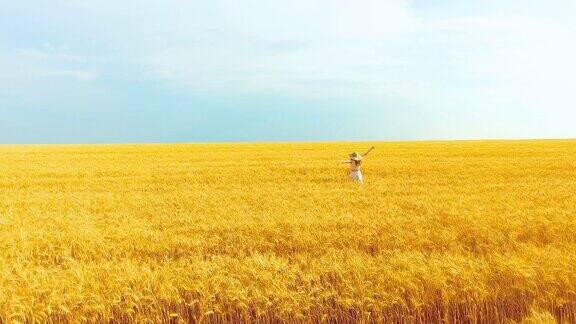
[457,231]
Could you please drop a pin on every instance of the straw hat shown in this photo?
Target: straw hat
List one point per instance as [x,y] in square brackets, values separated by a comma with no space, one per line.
[355,156]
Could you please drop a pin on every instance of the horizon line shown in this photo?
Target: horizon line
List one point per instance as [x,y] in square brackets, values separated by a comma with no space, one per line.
[418,140]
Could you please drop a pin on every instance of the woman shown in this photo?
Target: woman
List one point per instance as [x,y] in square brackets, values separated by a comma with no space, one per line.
[355,162]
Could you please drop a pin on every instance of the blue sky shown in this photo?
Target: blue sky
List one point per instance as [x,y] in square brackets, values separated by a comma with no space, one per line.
[80,71]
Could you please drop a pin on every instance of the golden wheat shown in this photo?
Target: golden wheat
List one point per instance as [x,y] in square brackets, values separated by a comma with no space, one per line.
[457,231]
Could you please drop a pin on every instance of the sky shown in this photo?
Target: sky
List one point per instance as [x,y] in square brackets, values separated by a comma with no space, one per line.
[87,71]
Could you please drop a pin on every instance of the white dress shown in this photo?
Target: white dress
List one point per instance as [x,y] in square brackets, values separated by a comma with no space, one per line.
[356,175]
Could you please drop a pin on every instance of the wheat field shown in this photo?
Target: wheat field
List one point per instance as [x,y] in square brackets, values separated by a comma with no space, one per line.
[466,231]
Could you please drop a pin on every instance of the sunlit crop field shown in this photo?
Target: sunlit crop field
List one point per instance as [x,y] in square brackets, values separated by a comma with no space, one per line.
[456,231]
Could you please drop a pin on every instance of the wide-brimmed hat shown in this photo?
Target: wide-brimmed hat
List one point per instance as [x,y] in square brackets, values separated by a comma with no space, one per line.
[355,156]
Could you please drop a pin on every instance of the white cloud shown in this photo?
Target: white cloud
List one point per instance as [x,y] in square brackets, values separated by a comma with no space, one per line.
[36,77]
[30,64]
[39,55]
[367,48]
[81,75]
[296,47]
